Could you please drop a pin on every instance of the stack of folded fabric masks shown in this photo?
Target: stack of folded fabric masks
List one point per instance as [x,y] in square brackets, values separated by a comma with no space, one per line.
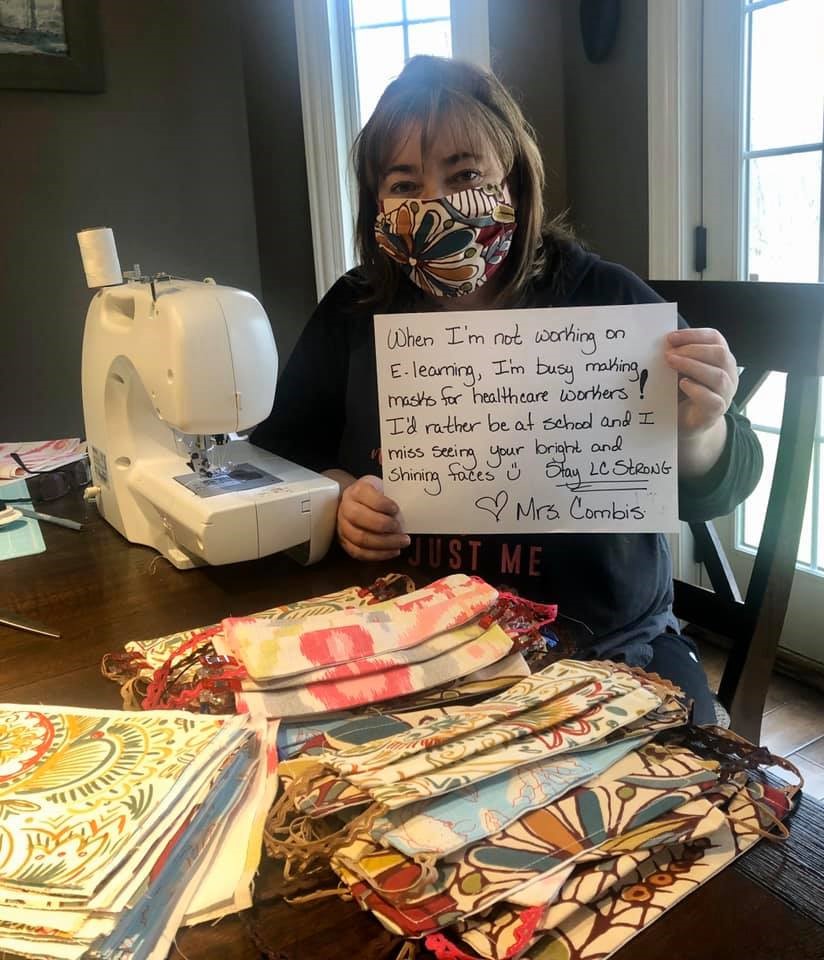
[469,784]
[183,668]
[554,819]
[457,628]
[116,828]
[318,661]
[321,662]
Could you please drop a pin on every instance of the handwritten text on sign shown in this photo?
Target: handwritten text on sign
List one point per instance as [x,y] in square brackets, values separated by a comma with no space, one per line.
[507,421]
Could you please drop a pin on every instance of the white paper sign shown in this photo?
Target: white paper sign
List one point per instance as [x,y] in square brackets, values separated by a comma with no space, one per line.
[524,421]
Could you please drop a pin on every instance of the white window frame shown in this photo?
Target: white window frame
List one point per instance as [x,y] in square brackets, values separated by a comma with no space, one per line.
[673,104]
[723,27]
[328,96]
[681,34]
[674,30]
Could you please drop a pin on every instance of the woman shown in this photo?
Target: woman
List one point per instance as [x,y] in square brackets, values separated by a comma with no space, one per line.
[446,137]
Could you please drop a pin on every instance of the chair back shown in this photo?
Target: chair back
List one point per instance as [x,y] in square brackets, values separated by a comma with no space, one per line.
[769,327]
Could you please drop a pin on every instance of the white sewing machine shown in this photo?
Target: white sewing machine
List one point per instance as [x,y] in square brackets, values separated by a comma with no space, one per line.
[171,368]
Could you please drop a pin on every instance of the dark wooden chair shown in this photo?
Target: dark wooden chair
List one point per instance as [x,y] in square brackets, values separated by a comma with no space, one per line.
[769,327]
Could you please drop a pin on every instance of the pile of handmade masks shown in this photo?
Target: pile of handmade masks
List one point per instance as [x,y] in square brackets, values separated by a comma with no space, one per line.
[184,669]
[341,652]
[117,828]
[552,820]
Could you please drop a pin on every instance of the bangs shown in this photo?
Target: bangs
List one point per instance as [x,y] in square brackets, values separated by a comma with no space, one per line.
[472,126]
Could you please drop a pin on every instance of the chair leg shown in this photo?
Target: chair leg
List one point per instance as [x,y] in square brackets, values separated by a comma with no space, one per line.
[772,577]
[746,707]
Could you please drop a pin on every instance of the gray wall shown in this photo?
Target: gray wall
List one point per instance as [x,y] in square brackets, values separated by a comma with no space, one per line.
[527,55]
[605,107]
[279,168]
[162,157]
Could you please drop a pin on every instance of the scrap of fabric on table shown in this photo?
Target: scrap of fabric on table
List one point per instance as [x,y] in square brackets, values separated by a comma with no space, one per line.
[39,455]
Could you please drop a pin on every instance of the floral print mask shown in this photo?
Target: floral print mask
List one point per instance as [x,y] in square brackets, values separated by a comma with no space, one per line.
[448,246]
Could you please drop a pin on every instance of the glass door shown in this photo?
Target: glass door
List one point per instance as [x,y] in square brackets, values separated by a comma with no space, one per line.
[763,183]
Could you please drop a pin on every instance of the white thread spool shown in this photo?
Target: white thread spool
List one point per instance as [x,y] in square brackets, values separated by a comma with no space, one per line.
[99,256]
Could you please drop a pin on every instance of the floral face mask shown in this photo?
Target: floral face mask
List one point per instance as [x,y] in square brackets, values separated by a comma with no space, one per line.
[448,246]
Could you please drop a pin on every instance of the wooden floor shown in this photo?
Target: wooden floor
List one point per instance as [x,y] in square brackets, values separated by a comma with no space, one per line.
[793,721]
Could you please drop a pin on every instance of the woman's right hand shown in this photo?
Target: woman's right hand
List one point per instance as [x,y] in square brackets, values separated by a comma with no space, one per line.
[369,525]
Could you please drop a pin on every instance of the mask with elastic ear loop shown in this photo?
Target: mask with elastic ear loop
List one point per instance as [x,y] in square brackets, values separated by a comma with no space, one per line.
[449,246]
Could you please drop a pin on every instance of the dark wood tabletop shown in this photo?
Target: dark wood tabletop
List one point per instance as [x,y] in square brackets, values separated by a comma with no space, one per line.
[99,592]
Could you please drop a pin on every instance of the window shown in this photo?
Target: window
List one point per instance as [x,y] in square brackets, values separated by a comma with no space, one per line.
[764,411]
[348,50]
[783,121]
[736,127]
[781,204]
[387,33]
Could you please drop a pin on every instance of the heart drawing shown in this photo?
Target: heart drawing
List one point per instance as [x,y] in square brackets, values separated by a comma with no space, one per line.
[493,505]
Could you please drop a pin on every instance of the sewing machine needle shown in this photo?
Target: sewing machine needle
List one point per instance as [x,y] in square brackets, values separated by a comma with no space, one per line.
[10,619]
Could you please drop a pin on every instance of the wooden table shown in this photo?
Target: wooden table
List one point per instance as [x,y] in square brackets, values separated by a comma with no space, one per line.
[100,592]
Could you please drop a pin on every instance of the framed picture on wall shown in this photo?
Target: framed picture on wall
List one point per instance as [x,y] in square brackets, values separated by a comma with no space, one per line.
[50,45]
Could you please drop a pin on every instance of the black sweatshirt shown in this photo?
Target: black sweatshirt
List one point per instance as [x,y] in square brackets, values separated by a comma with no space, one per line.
[618,585]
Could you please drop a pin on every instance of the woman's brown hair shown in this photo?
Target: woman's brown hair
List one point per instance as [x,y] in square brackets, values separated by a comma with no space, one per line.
[431,90]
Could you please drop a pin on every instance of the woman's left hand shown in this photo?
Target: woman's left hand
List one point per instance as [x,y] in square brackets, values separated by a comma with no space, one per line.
[707,378]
